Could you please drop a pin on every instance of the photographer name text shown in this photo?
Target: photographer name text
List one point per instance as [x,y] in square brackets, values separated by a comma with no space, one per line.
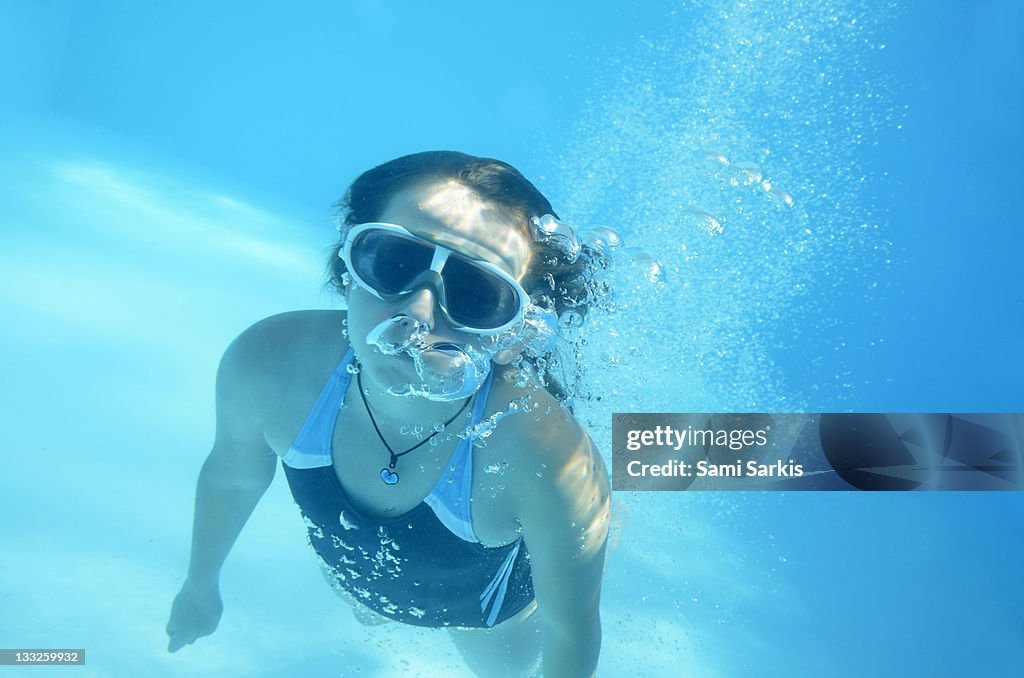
[733,439]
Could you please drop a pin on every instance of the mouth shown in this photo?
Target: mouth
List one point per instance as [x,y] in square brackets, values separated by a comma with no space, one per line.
[444,370]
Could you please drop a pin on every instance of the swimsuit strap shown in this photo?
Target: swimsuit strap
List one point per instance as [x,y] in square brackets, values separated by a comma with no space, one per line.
[312,446]
[450,497]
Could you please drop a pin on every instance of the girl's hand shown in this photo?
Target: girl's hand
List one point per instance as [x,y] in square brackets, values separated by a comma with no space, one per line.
[195,613]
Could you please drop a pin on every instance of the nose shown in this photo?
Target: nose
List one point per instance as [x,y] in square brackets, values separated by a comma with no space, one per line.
[420,305]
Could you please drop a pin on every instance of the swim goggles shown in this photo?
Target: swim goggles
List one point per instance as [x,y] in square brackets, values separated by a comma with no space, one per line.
[473,296]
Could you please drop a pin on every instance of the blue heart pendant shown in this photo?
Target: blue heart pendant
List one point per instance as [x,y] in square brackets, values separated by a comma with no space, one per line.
[388,476]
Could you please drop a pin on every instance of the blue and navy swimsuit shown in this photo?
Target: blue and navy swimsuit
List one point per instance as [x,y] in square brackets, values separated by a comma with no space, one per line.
[424,567]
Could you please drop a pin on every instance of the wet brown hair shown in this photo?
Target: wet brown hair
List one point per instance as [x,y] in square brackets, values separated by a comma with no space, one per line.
[496,183]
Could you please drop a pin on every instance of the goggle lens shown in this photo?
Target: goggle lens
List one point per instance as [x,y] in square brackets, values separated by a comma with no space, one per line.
[473,296]
[476,297]
[388,262]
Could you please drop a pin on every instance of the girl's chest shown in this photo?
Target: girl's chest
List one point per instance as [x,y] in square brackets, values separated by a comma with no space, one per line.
[359,457]
[362,464]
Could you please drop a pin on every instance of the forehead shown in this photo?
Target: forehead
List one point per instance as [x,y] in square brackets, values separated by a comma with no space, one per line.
[452,215]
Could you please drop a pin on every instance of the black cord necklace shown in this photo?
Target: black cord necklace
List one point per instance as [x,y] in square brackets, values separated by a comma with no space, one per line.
[388,474]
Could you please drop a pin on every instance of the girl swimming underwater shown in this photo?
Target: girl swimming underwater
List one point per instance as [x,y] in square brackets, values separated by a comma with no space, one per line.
[454,279]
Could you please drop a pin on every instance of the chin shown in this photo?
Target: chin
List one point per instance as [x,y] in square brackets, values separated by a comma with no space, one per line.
[389,370]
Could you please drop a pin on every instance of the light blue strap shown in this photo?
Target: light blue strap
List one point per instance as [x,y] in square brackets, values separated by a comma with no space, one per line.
[499,585]
[312,446]
[451,495]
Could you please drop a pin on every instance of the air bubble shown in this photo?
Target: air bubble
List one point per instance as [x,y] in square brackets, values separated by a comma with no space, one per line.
[346,523]
[447,371]
[397,334]
[561,236]
[744,174]
[603,239]
[703,220]
[570,319]
[499,468]
[780,196]
[715,160]
[647,266]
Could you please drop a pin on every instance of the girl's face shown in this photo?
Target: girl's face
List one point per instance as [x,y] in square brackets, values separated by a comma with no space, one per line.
[452,216]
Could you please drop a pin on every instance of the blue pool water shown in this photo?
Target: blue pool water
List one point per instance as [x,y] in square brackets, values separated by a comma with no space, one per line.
[830,188]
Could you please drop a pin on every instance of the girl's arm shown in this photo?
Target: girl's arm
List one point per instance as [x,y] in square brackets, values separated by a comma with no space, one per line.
[234,477]
[565,517]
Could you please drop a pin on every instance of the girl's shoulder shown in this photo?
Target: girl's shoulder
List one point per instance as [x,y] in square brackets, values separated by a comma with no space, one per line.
[550,458]
[286,333]
[295,326]
[278,350]
[533,426]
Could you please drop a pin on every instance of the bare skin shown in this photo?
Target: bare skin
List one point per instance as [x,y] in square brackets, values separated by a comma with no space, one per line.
[554,493]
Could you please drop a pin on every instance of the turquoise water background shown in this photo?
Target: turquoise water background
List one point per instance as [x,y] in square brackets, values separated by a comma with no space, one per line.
[166,178]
